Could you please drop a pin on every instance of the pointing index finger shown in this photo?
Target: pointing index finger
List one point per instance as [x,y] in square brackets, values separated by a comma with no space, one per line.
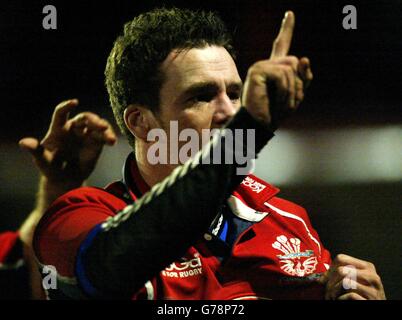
[284,39]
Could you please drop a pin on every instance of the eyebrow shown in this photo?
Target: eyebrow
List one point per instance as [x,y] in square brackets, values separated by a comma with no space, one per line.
[208,87]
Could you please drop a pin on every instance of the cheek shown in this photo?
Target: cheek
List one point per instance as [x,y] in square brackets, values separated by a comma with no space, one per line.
[237,106]
[198,119]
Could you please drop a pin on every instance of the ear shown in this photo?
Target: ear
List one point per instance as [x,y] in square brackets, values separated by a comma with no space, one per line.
[137,120]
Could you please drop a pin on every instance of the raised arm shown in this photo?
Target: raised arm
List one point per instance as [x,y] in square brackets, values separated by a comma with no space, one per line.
[65,158]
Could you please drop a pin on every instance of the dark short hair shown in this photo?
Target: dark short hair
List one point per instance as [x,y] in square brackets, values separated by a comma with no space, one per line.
[132,71]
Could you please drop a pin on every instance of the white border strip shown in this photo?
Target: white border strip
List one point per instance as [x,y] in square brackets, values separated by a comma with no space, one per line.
[293,216]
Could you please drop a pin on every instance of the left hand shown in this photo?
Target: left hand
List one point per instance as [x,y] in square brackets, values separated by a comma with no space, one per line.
[352,279]
[274,88]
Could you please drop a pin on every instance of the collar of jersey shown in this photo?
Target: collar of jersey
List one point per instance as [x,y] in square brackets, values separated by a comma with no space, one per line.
[246,201]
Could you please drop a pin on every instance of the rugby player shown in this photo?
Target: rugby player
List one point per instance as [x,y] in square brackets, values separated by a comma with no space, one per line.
[197,230]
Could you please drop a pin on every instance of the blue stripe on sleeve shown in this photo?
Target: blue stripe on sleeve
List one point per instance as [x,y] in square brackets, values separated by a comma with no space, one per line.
[82,279]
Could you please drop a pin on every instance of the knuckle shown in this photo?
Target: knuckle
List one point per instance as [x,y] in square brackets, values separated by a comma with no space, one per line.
[287,68]
[254,70]
[87,113]
[80,117]
[291,92]
[340,257]
[300,98]
[353,295]
[282,74]
[376,280]
[299,82]
[60,106]
[294,60]
[339,270]
[258,65]
[370,265]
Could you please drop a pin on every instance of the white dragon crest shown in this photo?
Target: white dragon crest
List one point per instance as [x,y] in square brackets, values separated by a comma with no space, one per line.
[292,259]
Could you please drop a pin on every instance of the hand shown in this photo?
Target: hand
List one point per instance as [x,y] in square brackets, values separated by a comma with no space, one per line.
[274,88]
[68,153]
[352,279]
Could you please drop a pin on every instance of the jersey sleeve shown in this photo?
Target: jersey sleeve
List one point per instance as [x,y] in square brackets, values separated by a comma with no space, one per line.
[66,225]
[14,279]
[10,248]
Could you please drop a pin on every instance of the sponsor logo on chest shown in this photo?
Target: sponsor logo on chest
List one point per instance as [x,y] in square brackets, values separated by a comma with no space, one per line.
[184,269]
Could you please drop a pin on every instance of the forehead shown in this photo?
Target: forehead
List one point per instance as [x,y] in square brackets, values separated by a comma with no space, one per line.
[209,64]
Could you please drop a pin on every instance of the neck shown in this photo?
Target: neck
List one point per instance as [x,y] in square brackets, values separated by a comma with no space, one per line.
[151,173]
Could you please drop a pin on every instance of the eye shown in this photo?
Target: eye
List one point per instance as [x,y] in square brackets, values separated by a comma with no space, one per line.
[234,95]
[205,97]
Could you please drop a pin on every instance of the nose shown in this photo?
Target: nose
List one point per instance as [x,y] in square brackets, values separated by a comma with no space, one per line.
[224,111]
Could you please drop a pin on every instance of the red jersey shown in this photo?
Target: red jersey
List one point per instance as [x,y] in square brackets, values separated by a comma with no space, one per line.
[14,277]
[8,243]
[274,252]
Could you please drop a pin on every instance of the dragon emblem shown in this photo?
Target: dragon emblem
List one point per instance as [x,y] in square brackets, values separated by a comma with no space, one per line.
[293,261]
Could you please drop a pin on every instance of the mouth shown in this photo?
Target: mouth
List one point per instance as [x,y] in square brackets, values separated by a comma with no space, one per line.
[220,125]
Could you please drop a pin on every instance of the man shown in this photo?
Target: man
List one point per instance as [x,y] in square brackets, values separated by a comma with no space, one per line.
[65,158]
[199,230]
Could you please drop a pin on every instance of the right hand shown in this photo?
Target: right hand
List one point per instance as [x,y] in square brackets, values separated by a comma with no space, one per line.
[67,155]
[274,88]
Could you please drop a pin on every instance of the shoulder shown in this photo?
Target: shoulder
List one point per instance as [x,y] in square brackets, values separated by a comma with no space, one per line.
[67,223]
[287,207]
[84,200]
[88,195]
[288,217]
[261,195]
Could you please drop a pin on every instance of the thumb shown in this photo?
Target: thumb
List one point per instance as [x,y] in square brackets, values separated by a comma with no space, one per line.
[29,144]
[36,150]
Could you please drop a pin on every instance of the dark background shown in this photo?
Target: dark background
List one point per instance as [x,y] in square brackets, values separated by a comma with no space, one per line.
[357,83]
